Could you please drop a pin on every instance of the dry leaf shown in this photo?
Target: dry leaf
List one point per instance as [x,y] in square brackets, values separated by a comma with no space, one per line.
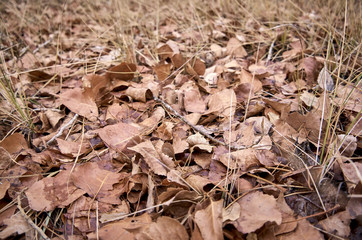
[14,143]
[303,231]
[325,80]
[123,71]
[222,103]
[151,157]
[235,48]
[209,221]
[166,228]
[80,102]
[16,224]
[241,159]
[162,71]
[337,224]
[119,135]
[52,192]
[99,184]
[256,209]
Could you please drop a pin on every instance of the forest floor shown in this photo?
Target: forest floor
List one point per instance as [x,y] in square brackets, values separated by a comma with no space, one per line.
[180,119]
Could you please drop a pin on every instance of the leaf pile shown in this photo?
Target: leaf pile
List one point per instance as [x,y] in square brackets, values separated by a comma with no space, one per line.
[231,141]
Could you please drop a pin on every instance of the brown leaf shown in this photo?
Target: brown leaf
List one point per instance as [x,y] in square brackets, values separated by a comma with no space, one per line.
[72,148]
[325,80]
[298,46]
[199,141]
[311,68]
[52,192]
[14,143]
[37,75]
[199,66]
[162,71]
[139,93]
[197,182]
[164,52]
[151,123]
[209,220]
[289,222]
[348,144]
[123,229]
[256,209]
[166,228]
[124,71]
[222,103]
[4,186]
[117,136]
[16,224]
[303,231]
[179,145]
[338,224]
[351,171]
[178,60]
[80,102]
[54,117]
[96,85]
[241,159]
[192,99]
[96,182]
[235,48]
[151,157]
[5,158]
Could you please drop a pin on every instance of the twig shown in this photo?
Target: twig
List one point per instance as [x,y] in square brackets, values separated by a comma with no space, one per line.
[44,44]
[270,53]
[313,215]
[60,132]
[45,109]
[196,128]
[31,223]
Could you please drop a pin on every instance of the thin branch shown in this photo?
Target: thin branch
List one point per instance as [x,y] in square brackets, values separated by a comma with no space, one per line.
[31,223]
[196,128]
[60,132]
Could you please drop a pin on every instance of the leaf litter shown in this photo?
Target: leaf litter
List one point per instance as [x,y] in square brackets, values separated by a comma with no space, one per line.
[222,134]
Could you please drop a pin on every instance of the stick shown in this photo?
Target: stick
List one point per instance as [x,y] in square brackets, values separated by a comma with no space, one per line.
[31,223]
[196,128]
[60,132]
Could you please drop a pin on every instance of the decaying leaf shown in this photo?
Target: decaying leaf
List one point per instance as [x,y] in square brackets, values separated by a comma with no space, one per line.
[256,209]
[209,220]
[325,80]
[52,192]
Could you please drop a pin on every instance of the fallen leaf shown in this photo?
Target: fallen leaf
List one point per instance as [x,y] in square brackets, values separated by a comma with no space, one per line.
[16,224]
[256,209]
[117,136]
[162,71]
[235,48]
[209,220]
[80,102]
[72,148]
[303,231]
[52,192]
[124,71]
[193,101]
[166,228]
[123,229]
[222,103]
[99,184]
[325,80]
[337,224]
[241,159]
[14,143]
[4,186]
[151,157]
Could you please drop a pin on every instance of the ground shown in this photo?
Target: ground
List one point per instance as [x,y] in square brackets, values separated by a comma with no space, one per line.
[180,119]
